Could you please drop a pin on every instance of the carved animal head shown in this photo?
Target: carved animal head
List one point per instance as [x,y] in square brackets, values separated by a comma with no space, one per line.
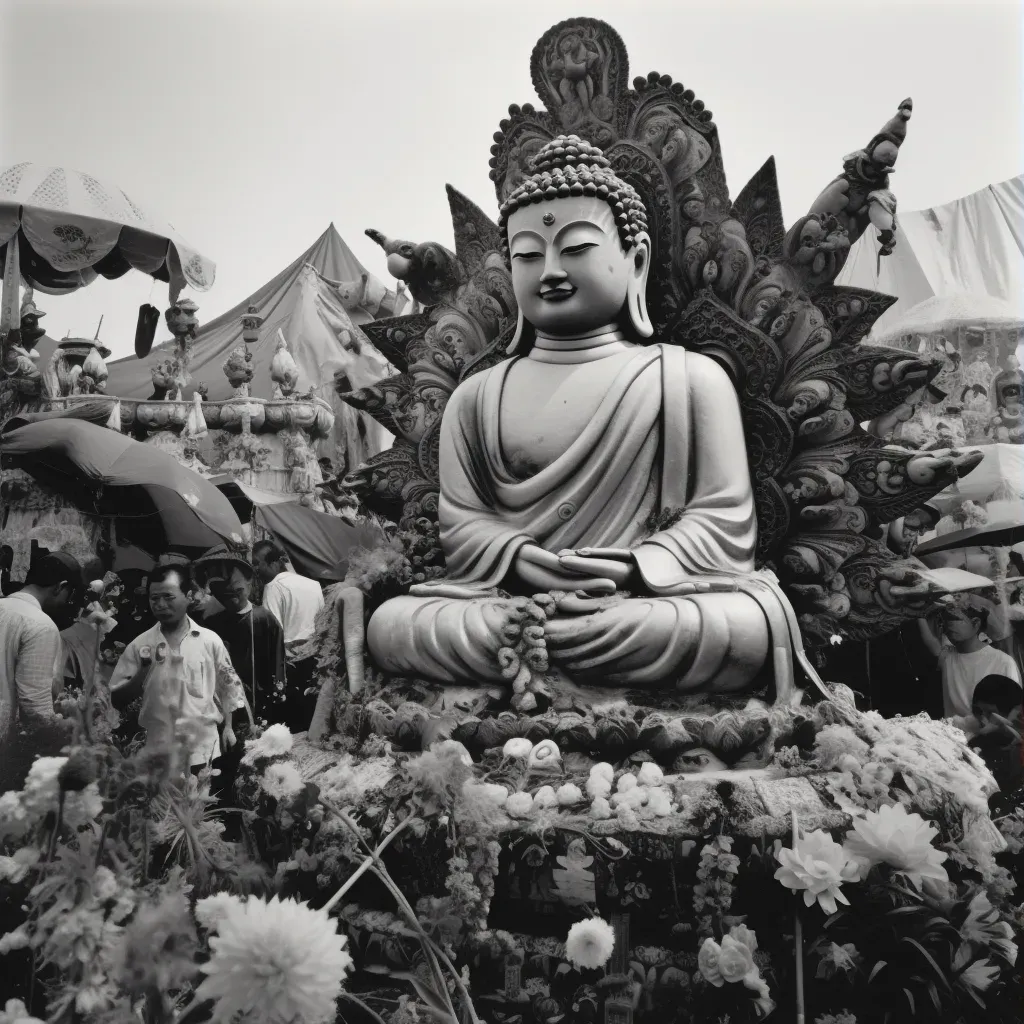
[429,270]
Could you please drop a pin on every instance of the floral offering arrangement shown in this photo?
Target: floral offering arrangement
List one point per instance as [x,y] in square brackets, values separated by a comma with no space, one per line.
[410,876]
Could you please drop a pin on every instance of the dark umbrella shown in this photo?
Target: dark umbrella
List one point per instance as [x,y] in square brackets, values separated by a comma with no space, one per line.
[999,534]
[158,503]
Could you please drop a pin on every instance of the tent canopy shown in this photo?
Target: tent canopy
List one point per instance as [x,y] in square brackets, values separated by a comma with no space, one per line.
[973,245]
[360,295]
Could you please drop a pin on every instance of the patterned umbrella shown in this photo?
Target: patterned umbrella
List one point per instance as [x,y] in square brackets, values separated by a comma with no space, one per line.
[61,229]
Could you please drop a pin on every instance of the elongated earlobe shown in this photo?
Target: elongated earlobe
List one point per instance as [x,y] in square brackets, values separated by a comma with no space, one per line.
[636,296]
[518,337]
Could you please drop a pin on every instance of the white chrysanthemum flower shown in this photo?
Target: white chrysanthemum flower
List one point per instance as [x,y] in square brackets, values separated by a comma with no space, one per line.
[275,741]
[650,774]
[517,747]
[590,943]
[17,939]
[39,794]
[16,868]
[211,910]
[569,794]
[545,798]
[16,1013]
[904,841]
[519,805]
[282,781]
[602,770]
[275,963]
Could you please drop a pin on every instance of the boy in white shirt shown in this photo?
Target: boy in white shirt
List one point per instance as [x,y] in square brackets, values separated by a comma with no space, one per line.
[965,658]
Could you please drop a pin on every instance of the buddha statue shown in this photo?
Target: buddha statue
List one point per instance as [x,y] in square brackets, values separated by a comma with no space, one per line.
[596,509]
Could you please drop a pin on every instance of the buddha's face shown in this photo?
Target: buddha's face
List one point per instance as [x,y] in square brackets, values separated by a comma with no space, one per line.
[570,272]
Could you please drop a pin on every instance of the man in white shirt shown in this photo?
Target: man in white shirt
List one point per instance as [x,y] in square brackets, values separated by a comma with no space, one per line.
[187,679]
[295,602]
[31,657]
[965,659]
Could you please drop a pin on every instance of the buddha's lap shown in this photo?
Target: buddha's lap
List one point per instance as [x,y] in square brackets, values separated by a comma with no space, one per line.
[641,640]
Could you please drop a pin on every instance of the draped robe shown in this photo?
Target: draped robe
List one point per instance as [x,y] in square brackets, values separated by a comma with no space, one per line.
[660,469]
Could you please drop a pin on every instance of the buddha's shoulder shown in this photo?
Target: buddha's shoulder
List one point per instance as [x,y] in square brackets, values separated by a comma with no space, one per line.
[471,387]
[700,370]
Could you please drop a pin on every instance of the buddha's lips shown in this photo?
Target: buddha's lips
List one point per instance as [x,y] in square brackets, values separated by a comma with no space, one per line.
[559,294]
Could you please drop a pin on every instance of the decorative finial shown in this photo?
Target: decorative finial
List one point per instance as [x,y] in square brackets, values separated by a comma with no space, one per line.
[283,370]
[251,324]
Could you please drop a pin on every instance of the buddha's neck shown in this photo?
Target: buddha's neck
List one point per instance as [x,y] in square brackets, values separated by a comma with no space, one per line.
[580,348]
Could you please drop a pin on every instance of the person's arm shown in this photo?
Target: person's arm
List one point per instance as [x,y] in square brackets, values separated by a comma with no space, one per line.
[275,646]
[130,673]
[273,600]
[38,654]
[931,641]
[229,693]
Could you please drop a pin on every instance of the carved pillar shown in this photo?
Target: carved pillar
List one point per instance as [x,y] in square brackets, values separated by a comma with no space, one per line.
[513,976]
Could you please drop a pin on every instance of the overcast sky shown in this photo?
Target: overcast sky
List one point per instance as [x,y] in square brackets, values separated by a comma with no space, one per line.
[252,125]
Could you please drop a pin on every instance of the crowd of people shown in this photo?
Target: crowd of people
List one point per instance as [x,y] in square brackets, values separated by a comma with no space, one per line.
[188,653]
[190,642]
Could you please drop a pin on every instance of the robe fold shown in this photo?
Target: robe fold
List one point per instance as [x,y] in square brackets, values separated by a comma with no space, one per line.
[660,469]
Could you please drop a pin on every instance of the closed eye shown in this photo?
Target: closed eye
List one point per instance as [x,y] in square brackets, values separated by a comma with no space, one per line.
[575,250]
[527,255]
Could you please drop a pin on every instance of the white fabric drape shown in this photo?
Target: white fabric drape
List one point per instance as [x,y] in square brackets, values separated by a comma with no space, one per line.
[973,245]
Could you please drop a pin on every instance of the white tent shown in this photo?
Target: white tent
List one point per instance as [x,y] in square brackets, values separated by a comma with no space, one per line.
[973,245]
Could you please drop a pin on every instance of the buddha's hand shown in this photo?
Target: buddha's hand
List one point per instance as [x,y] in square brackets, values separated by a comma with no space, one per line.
[615,564]
[545,571]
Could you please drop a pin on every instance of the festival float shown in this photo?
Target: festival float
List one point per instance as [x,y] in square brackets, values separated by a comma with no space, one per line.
[573,757]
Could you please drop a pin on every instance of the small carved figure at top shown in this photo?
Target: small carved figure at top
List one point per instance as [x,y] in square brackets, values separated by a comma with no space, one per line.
[860,195]
[283,370]
[680,150]
[31,332]
[238,367]
[573,69]
[182,320]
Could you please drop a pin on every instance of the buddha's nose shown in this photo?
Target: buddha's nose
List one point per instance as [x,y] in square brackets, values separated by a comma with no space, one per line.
[553,270]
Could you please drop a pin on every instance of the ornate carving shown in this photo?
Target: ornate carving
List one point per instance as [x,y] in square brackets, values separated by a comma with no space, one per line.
[393,336]
[759,209]
[579,69]
[850,312]
[752,358]
[727,280]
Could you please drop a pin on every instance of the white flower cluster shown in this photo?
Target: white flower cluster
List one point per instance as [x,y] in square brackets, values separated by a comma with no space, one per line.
[275,741]
[20,812]
[643,795]
[732,962]
[536,755]
[818,866]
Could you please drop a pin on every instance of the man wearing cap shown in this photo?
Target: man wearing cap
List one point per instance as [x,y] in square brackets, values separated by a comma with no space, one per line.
[255,641]
[32,661]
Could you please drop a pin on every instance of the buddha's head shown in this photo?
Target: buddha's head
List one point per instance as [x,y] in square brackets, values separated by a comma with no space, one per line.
[575,235]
